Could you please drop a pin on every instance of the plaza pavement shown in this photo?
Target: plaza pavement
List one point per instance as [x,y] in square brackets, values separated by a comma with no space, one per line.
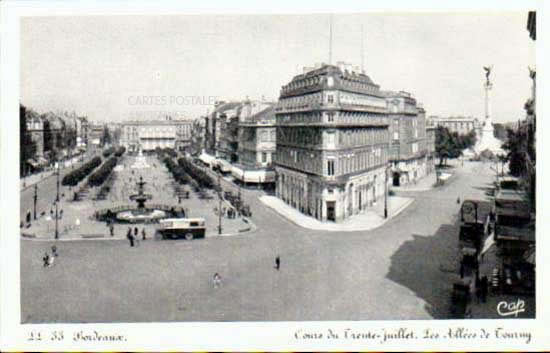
[78,220]
[401,270]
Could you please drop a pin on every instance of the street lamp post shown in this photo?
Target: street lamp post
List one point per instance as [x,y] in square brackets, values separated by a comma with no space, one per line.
[35,199]
[386,192]
[220,206]
[57,204]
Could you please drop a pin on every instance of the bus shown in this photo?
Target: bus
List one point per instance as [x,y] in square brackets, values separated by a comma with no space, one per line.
[178,228]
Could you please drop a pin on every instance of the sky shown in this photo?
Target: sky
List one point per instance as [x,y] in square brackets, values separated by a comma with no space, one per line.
[115,68]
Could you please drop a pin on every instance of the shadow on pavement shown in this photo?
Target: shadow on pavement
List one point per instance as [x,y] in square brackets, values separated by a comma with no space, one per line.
[427,265]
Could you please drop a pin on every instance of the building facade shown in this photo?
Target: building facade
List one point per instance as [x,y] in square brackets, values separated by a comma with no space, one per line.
[257,137]
[409,151]
[152,134]
[256,144]
[460,124]
[214,123]
[332,142]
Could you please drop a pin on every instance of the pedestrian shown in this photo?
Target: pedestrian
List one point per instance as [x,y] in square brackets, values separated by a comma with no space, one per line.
[130,236]
[46,259]
[54,251]
[136,231]
[458,200]
[277,263]
[112,229]
[143,235]
[217,280]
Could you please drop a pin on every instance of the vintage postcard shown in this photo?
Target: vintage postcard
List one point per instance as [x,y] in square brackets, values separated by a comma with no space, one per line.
[325,178]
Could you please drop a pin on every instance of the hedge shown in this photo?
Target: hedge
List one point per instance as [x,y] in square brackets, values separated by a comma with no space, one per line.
[176,170]
[164,152]
[120,151]
[202,178]
[77,175]
[103,172]
[109,151]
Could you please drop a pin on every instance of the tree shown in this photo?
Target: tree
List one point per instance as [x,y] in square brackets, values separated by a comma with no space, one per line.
[515,152]
[447,145]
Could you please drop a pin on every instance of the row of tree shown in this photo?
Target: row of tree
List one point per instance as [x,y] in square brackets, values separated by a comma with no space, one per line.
[162,152]
[200,176]
[109,151]
[176,171]
[120,151]
[521,156]
[103,172]
[450,144]
[77,175]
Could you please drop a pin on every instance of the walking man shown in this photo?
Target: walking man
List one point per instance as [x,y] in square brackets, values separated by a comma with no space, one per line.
[130,236]
[112,229]
[143,235]
[46,259]
[217,280]
[277,263]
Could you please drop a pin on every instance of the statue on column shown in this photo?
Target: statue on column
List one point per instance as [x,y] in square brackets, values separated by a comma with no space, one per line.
[487,73]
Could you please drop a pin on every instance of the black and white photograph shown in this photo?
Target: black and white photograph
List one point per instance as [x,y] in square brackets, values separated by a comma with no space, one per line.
[240,167]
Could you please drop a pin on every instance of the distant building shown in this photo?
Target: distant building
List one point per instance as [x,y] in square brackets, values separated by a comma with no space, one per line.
[460,124]
[256,143]
[152,134]
[96,133]
[198,127]
[35,130]
[216,141]
[409,151]
[332,142]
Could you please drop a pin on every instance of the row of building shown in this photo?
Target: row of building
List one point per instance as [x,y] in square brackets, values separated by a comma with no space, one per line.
[53,136]
[331,143]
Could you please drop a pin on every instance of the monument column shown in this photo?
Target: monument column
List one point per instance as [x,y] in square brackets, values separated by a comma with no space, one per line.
[488,87]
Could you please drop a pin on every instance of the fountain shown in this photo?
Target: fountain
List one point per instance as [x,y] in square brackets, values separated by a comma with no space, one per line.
[141,213]
[140,197]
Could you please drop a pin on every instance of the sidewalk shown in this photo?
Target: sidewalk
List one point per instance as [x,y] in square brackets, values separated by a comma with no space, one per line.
[30,180]
[424,184]
[369,219]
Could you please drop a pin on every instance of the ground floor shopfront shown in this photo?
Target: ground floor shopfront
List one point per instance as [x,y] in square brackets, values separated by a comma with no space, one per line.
[404,172]
[328,200]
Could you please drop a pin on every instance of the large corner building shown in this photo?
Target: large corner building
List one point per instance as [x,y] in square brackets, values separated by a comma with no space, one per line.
[332,142]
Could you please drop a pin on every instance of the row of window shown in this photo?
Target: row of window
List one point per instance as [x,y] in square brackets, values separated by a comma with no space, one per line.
[361,137]
[355,162]
[341,117]
[340,164]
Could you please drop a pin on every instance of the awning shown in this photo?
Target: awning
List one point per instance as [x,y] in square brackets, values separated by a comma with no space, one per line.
[42,161]
[33,163]
[487,244]
[224,165]
[206,158]
[253,176]
[237,173]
